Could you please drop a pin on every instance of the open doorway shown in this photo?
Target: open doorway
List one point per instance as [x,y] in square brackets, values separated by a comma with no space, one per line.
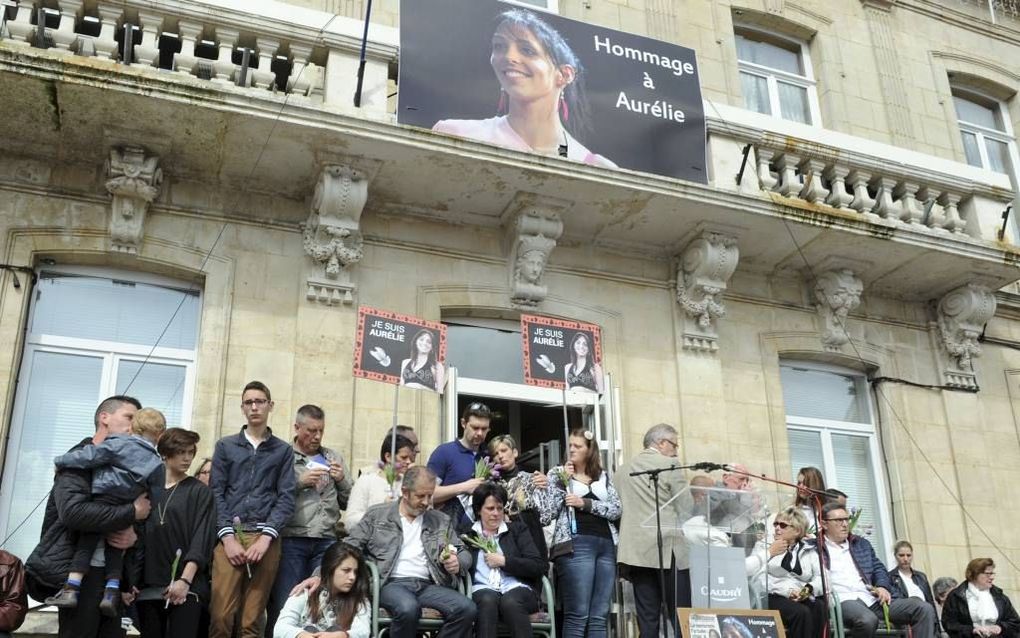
[537,427]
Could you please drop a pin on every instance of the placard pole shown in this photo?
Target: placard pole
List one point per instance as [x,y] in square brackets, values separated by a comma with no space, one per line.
[393,431]
[566,456]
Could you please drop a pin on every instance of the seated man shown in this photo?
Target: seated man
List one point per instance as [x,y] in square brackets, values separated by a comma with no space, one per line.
[419,557]
[861,581]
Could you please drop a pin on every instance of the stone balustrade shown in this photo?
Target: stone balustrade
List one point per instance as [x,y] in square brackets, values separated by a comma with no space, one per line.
[289,49]
[809,167]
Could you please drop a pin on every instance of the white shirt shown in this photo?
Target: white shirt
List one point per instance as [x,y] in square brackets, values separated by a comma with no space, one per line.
[411,560]
[844,578]
[913,591]
[483,577]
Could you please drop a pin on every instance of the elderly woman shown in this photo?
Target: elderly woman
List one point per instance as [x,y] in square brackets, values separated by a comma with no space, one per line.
[940,590]
[795,576]
[979,608]
[528,492]
[506,567]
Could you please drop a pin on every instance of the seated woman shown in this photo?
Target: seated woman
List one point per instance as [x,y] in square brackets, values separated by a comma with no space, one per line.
[528,492]
[908,582]
[979,608]
[504,580]
[372,487]
[338,607]
[795,577]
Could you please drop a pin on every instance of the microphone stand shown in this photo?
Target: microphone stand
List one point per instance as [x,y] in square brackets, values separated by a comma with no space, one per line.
[653,476]
[817,496]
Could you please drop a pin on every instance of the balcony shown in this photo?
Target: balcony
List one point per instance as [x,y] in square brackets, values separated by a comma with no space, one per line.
[912,225]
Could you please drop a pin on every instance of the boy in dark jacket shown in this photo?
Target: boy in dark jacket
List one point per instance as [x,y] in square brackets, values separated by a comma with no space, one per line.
[121,467]
[253,486]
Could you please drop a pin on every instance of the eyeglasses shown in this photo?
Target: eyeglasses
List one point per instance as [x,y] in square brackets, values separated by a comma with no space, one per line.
[988,573]
[841,521]
[780,524]
[673,443]
[254,402]
[478,409]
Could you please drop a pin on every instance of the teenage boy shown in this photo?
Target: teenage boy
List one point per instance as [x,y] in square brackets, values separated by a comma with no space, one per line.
[253,486]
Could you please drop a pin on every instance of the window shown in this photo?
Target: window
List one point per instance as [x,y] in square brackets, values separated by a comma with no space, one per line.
[987,136]
[91,335]
[829,426]
[551,6]
[776,77]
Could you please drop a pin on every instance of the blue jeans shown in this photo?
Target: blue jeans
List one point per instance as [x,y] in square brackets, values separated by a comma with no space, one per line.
[404,598]
[298,558]
[585,580]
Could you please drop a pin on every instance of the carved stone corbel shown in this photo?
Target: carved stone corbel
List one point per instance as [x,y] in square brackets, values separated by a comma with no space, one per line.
[837,293]
[960,317]
[332,233]
[703,270]
[533,224]
[134,180]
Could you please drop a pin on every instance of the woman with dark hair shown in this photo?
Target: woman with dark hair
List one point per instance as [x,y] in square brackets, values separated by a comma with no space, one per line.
[583,371]
[808,479]
[178,542]
[977,607]
[542,104]
[374,485]
[504,581]
[338,607]
[421,370]
[528,493]
[585,538]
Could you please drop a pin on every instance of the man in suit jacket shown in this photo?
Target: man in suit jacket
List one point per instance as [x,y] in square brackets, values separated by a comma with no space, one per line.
[638,555]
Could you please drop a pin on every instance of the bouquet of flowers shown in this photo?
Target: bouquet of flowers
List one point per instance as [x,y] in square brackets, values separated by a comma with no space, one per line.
[486,469]
[564,478]
[243,539]
[855,516]
[489,545]
[389,472]
[448,548]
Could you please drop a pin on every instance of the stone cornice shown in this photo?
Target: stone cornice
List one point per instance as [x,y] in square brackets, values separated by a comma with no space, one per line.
[939,10]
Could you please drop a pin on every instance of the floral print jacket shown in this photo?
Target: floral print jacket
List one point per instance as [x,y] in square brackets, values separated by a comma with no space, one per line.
[607,506]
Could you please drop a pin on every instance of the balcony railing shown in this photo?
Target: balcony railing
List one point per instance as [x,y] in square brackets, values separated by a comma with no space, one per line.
[829,172]
[995,10]
[288,52]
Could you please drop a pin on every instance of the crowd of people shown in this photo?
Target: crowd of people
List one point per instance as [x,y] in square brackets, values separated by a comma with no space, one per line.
[276,538]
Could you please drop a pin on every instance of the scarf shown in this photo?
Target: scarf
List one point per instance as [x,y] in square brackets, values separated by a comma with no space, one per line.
[981,605]
[791,560]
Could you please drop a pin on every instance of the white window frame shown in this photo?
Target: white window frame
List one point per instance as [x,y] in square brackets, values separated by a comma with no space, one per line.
[1006,136]
[112,354]
[772,76]
[550,6]
[828,427]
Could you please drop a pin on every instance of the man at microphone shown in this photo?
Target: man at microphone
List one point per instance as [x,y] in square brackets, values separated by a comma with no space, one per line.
[637,554]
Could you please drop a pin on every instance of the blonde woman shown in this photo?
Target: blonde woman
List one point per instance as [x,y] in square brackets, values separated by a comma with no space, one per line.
[795,576]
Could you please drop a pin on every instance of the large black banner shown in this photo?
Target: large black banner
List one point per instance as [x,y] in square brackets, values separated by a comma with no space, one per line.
[536,82]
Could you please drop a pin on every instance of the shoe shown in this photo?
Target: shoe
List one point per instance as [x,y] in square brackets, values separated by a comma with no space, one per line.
[66,598]
[108,606]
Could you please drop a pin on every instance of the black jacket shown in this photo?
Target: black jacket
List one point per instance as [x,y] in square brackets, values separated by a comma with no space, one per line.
[254,485]
[956,614]
[69,510]
[899,589]
[523,561]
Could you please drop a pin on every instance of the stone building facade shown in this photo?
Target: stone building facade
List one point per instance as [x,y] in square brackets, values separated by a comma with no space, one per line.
[848,302]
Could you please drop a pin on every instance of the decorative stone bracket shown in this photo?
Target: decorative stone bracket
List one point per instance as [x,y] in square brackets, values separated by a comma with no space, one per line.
[703,270]
[960,317]
[533,224]
[134,180]
[837,293]
[332,233]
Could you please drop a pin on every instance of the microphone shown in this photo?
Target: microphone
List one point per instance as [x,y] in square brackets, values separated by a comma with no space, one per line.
[707,466]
